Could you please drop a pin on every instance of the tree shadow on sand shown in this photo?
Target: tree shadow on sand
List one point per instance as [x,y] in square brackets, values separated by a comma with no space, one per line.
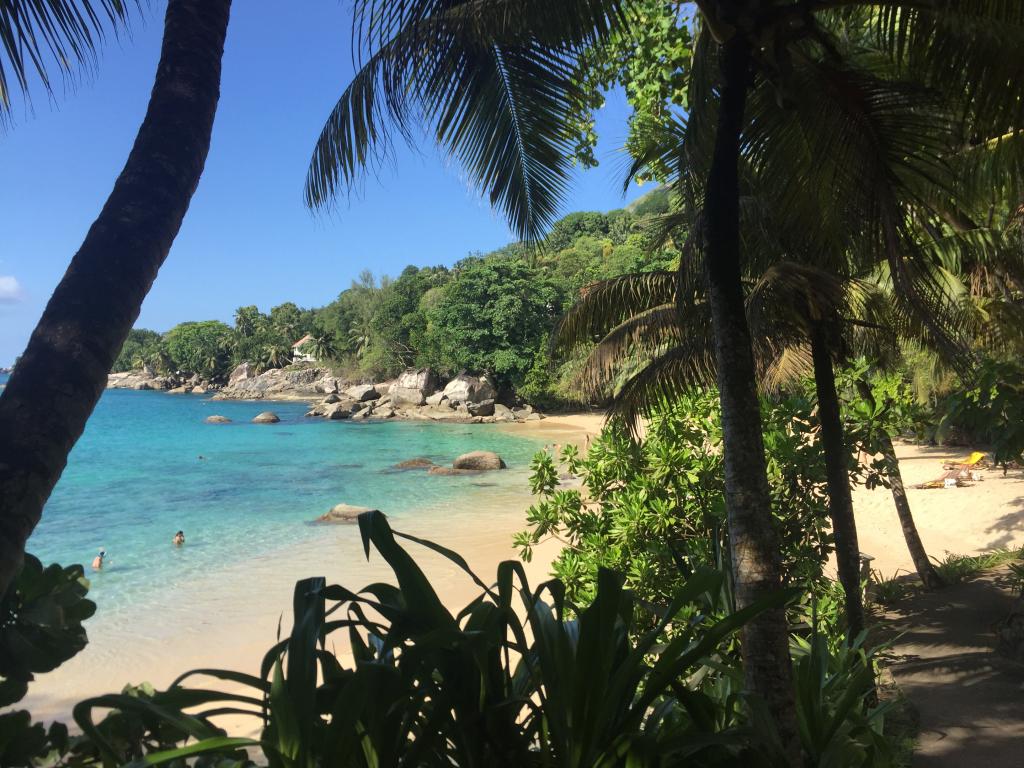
[967,697]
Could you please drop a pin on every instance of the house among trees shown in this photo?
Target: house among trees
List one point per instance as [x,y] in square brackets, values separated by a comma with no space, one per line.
[302,350]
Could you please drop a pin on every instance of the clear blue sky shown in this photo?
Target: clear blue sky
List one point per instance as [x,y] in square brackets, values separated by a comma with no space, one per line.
[247,238]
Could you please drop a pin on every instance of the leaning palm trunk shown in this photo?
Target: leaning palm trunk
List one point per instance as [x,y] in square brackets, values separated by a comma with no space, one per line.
[840,501]
[63,371]
[929,576]
[925,569]
[754,546]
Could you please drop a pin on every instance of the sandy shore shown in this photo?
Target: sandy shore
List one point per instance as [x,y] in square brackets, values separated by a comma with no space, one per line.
[229,618]
[987,515]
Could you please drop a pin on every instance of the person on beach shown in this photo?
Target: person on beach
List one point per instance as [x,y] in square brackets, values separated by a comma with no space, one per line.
[179,538]
[97,562]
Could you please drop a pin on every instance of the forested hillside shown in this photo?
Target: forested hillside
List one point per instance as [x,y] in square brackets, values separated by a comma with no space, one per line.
[490,312]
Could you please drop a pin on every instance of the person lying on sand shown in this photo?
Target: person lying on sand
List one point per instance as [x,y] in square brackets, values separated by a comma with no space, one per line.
[179,538]
[97,562]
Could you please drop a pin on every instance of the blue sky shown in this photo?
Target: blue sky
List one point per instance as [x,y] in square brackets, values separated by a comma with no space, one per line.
[247,238]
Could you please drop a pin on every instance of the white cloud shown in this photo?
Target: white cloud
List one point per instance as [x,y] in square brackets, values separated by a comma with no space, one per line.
[10,289]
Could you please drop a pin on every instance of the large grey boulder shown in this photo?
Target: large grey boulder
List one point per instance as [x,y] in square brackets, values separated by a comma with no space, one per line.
[242,372]
[482,408]
[363,392]
[503,413]
[479,461]
[413,386]
[343,513]
[267,417]
[437,398]
[470,389]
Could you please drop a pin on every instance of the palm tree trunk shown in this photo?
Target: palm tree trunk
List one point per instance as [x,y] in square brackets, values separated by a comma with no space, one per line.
[63,371]
[840,502]
[753,542]
[925,569]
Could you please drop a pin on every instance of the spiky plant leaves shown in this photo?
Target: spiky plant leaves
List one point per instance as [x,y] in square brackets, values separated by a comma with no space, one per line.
[38,37]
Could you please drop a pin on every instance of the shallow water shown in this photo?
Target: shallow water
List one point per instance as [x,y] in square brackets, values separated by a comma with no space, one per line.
[148,465]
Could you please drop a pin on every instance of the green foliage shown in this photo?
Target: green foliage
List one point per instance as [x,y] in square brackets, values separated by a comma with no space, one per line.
[40,628]
[509,680]
[200,347]
[992,411]
[140,348]
[955,569]
[650,58]
[654,508]
[491,317]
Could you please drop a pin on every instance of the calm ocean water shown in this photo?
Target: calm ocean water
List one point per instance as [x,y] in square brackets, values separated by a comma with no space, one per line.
[136,477]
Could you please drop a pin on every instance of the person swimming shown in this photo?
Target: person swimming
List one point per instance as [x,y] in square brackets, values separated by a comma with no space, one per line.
[97,562]
[179,538]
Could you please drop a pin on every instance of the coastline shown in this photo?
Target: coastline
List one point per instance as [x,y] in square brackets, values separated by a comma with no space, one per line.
[228,619]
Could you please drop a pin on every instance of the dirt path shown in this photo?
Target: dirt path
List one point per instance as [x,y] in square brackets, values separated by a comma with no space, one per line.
[969,700]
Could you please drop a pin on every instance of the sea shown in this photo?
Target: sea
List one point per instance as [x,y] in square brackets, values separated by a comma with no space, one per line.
[246,496]
[148,465]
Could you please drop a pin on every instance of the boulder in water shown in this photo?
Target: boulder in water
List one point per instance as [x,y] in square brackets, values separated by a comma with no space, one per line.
[417,463]
[267,417]
[479,461]
[217,419]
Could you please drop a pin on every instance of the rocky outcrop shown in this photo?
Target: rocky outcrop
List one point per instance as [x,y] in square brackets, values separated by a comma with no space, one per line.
[413,387]
[343,513]
[267,417]
[217,419]
[479,461]
[142,380]
[363,392]
[292,383]
[470,389]
[242,372]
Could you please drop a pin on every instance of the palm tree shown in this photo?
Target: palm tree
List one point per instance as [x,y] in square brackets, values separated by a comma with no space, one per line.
[63,371]
[492,80]
[322,346]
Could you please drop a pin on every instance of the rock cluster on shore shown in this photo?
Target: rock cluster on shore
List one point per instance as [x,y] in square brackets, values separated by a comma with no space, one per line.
[173,384]
[417,394]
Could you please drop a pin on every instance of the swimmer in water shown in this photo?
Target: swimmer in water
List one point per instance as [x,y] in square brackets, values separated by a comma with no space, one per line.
[179,538]
[97,562]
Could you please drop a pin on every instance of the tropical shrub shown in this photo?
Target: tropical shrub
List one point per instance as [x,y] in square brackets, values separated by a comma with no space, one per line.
[41,619]
[518,677]
[653,508]
[992,411]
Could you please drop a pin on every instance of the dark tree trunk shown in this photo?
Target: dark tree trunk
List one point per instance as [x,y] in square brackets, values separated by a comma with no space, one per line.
[63,371]
[840,501]
[925,569]
[753,542]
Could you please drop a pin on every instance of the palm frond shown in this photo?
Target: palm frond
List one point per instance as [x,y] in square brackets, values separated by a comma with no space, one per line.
[493,83]
[40,36]
[604,305]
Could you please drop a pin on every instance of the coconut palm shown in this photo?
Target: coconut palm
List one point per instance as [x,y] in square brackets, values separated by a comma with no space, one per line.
[322,346]
[492,80]
[63,370]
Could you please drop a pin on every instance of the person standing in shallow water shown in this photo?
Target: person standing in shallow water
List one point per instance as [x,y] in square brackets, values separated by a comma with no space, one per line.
[97,562]
[179,538]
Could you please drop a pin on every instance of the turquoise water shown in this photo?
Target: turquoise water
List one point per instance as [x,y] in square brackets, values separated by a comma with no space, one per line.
[136,477]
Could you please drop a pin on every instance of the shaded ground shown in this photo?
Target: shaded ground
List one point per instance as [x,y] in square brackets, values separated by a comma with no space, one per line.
[970,701]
